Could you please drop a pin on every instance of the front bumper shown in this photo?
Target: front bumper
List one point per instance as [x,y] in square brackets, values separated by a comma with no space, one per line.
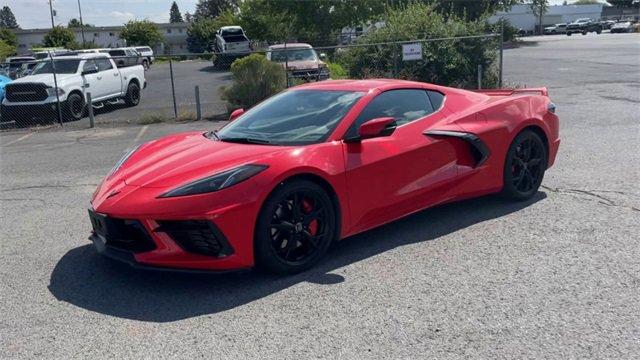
[30,114]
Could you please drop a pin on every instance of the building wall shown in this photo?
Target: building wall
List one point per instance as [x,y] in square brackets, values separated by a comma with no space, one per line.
[175,36]
[521,16]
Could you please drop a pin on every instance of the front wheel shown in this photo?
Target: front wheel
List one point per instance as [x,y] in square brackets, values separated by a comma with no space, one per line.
[132,97]
[75,107]
[295,227]
[568,34]
[584,33]
[524,166]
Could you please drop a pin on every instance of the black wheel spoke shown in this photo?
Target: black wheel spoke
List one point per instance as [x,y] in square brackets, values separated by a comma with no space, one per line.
[283,226]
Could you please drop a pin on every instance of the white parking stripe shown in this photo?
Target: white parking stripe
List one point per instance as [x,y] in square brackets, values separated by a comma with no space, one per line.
[140,133]
[19,139]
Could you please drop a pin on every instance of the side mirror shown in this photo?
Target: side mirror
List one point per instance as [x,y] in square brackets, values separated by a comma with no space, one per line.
[377,127]
[91,70]
[236,113]
[323,56]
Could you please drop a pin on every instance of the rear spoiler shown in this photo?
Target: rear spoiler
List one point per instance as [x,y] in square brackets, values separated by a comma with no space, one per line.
[508,92]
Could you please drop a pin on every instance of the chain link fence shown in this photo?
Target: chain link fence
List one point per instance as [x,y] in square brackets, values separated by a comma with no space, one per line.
[56,90]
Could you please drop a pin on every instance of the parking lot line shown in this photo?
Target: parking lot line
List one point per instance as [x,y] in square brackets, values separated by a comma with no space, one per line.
[19,139]
[140,133]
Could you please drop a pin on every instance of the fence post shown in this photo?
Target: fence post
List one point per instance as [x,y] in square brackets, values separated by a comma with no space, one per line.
[286,63]
[55,87]
[173,89]
[90,110]
[480,76]
[198,111]
[501,52]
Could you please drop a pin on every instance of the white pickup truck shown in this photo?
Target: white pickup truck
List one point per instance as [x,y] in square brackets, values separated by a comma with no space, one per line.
[230,44]
[34,98]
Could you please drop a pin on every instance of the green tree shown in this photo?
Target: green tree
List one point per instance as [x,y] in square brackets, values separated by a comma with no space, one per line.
[7,20]
[174,14]
[624,3]
[447,62]
[188,17]
[200,34]
[539,8]
[6,50]
[60,37]
[213,8]
[254,79]
[141,33]
[474,9]
[9,37]
[75,23]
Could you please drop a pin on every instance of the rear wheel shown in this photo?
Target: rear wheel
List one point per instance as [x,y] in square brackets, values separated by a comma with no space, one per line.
[132,97]
[584,33]
[568,34]
[524,166]
[295,228]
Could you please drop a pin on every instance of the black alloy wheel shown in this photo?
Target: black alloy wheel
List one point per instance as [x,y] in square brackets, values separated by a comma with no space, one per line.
[75,107]
[295,228]
[525,165]
[132,97]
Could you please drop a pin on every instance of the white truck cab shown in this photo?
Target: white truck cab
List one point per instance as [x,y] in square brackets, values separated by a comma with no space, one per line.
[36,96]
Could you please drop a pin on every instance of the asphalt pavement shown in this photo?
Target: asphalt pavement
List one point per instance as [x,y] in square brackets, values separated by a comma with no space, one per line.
[555,277]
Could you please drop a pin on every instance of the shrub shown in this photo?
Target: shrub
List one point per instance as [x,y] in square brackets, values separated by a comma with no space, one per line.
[337,71]
[447,62]
[254,79]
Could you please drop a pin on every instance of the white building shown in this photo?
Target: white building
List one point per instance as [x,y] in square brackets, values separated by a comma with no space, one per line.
[522,17]
[175,36]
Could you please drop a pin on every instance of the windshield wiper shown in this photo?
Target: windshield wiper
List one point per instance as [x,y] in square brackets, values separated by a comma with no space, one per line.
[245,140]
[213,134]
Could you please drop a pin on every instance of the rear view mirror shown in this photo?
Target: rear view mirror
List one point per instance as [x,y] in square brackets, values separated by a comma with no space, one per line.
[377,127]
[323,56]
[235,114]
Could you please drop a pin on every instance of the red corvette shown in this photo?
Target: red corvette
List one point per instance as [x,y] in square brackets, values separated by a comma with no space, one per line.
[314,164]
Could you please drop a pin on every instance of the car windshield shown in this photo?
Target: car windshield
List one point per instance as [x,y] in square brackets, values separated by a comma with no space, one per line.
[66,66]
[303,54]
[296,117]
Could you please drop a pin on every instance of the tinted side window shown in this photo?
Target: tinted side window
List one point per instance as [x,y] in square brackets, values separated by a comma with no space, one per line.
[436,99]
[403,105]
[88,65]
[116,52]
[103,64]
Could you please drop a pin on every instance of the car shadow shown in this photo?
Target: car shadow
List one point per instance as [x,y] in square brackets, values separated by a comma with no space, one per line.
[90,281]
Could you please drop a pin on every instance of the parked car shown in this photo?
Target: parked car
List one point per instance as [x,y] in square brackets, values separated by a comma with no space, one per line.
[4,80]
[41,55]
[14,68]
[35,97]
[301,59]
[282,182]
[556,29]
[147,56]
[583,26]
[230,43]
[623,27]
[607,24]
[124,56]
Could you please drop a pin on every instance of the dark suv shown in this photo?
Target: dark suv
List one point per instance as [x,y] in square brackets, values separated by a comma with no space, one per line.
[584,26]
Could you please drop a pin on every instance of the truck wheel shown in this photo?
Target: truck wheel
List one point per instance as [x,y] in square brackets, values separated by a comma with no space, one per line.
[75,107]
[584,33]
[132,97]
[568,34]
[598,31]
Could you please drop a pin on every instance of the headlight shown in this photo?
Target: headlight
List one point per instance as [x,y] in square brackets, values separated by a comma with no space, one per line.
[122,161]
[217,182]
[52,91]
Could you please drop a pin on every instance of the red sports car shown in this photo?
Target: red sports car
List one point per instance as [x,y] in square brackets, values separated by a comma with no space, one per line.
[315,164]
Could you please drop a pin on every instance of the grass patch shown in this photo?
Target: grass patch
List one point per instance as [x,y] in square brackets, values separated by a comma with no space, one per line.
[148,119]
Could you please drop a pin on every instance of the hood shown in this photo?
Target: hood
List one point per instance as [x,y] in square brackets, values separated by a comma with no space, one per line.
[44,78]
[179,159]
[304,64]
[621,25]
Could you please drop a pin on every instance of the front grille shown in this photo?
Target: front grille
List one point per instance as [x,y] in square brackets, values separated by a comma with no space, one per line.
[305,73]
[24,92]
[197,236]
[128,235]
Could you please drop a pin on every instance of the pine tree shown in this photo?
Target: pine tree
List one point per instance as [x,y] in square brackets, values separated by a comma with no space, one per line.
[174,14]
[7,20]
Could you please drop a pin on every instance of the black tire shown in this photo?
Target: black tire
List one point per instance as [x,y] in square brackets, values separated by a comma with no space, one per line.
[568,34]
[584,33]
[75,107]
[295,227]
[599,31]
[524,166]
[132,97]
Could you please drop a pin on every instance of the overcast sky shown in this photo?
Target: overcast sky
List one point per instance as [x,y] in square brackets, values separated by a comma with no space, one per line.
[35,13]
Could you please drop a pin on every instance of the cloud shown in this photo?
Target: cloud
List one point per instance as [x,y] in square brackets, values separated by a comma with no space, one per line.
[122,16]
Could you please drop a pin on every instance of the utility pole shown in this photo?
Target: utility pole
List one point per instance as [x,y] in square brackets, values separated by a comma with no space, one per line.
[81,23]
[51,11]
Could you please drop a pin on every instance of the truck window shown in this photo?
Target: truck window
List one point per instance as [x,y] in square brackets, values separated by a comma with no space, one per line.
[103,64]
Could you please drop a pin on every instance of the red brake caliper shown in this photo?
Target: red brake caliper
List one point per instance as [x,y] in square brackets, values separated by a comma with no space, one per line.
[307,208]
